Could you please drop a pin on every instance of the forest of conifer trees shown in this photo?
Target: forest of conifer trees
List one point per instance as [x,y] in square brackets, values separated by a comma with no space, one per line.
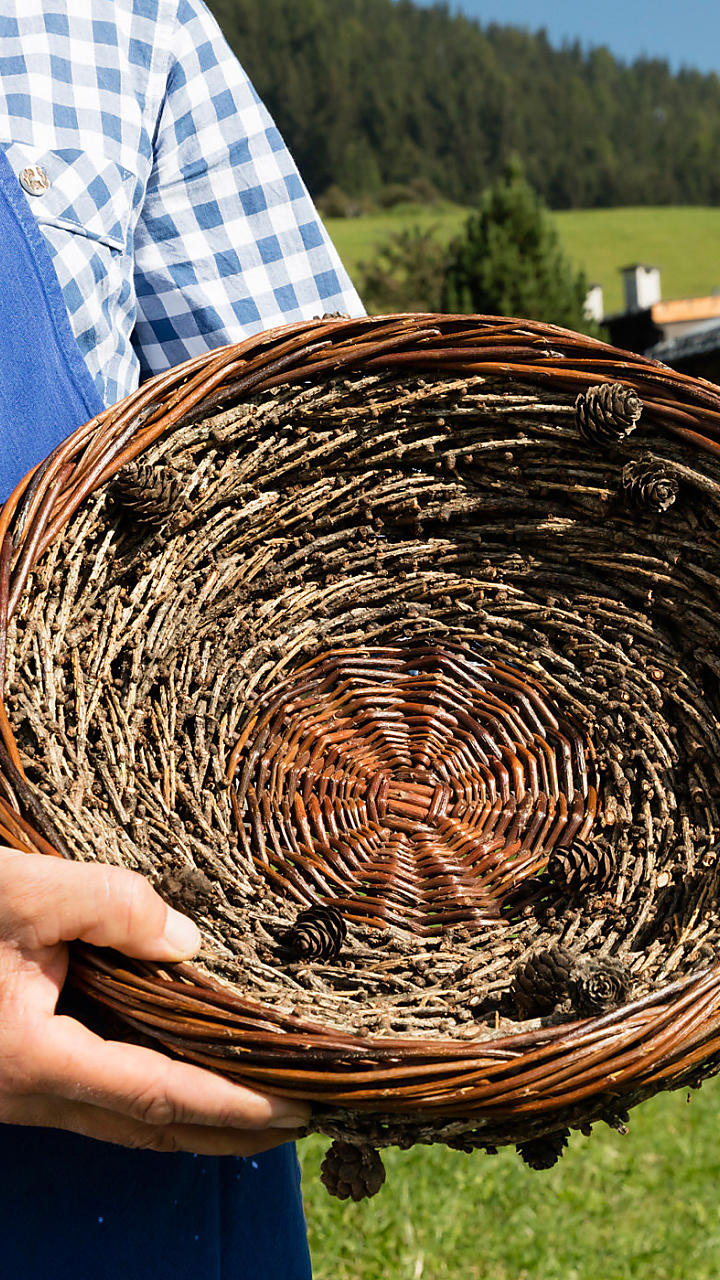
[374,92]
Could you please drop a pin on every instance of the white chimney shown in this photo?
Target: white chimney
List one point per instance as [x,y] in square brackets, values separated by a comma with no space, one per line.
[642,287]
[594,306]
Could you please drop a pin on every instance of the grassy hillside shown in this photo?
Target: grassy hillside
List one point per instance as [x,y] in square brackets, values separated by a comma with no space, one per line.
[683,241]
[640,1207]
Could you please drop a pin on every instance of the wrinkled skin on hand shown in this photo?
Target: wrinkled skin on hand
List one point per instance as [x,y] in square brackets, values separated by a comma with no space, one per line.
[56,1073]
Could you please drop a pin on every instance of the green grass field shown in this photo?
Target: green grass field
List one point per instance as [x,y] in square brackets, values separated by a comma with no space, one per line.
[683,242]
[639,1207]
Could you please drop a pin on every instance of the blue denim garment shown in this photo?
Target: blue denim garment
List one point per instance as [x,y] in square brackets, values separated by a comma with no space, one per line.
[71,1208]
[74,1209]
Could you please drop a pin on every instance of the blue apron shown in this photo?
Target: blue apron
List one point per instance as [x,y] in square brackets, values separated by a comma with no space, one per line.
[72,1208]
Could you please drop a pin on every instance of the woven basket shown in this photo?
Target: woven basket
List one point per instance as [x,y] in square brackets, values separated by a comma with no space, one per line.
[387,649]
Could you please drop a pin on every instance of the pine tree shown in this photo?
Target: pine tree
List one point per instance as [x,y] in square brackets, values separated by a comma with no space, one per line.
[405,273]
[509,262]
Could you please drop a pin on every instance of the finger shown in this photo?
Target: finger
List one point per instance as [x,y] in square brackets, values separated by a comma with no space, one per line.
[108,1126]
[74,1063]
[47,900]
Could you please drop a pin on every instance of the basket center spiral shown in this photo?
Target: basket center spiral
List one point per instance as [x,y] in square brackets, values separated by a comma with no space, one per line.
[419,785]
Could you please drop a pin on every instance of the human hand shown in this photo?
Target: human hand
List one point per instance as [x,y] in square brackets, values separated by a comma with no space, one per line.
[54,1072]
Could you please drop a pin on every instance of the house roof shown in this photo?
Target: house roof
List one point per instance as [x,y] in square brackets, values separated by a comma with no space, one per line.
[686,309]
[687,344]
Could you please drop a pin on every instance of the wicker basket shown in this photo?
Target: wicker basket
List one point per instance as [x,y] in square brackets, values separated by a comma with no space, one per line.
[388,650]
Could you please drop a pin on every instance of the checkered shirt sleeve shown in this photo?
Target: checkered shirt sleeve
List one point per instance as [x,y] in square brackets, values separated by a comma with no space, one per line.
[228,241]
[175,216]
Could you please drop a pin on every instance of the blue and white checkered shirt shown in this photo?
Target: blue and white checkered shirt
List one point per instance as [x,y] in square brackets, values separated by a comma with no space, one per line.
[175,216]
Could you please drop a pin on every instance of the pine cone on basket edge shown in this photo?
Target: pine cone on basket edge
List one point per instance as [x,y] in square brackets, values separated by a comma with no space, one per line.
[598,985]
[352,1172]
[617,1118]
[607,413]
[317,934]
[544,1152]
[147,494]
[649,483]
[542,981]
[580,866]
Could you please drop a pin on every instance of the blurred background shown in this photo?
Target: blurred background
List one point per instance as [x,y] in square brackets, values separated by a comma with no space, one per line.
[520,157]
[551,160]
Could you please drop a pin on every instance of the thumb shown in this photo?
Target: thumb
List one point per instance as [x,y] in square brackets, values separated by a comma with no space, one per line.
[45,900]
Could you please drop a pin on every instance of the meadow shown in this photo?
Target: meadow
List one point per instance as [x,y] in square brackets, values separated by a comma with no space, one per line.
[638,1207]
[684,242]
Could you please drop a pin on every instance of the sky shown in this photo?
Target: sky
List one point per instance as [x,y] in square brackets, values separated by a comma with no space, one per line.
[684,32]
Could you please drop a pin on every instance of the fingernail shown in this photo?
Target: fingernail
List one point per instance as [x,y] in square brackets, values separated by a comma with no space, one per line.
[181,934]
[296,1121]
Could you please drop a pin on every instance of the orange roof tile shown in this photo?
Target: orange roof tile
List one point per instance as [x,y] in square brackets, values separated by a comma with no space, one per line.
[686,309]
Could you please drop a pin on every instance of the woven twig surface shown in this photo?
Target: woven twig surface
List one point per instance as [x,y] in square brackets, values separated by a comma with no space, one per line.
[372,615]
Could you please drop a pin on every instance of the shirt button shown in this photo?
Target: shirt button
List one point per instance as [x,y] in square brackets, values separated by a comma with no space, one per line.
[34,180]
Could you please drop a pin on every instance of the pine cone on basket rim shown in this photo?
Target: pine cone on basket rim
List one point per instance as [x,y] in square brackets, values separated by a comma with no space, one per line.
[542,981]
[598,985]
[608,412]
[317,934]
[147,494]
[544,1152]
[352,1171]
[580,866]
[649,483]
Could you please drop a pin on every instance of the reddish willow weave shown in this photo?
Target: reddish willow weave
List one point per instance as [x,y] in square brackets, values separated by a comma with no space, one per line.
[408,620]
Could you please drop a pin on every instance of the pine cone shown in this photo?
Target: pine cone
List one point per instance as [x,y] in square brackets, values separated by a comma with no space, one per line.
[543,1153]
[460,1144]
[469,1142]
[599,985]
[579,867]
[352,1172]
[617,1118]
[607,413]
[317,934]
[542,981]
[649,483]
[147,494]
